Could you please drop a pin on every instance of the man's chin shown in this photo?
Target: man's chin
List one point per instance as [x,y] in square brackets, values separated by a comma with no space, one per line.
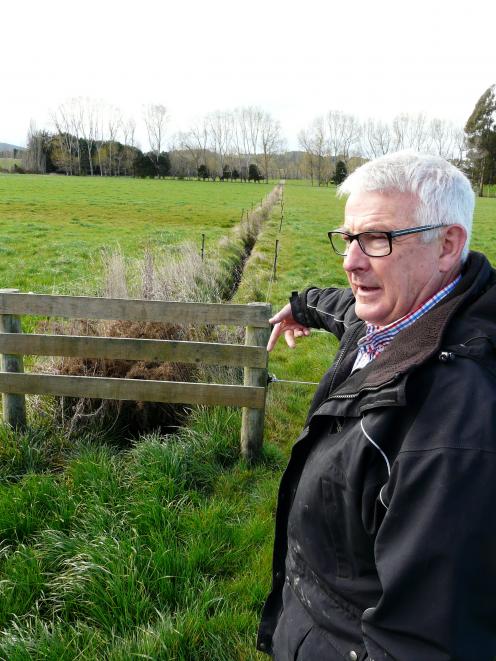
[371,314]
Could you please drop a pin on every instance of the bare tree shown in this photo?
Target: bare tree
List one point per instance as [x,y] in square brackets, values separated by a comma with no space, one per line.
[156,117]
[114,123]
[246,136]
[270,140]
[305,143]
[400,131]
[314,141]
[460,147]
[100,139]
[220,129]
[129,131]
[128,151]
[182,163]
[352,135]
[67,151]
[344,132]
[290,164]
[419,138]
[411,132]
[447,140]
[195,142]
[377,138]
[86,118]
[35,155]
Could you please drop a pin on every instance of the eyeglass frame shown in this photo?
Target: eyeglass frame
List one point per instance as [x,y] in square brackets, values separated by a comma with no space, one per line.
[390,236]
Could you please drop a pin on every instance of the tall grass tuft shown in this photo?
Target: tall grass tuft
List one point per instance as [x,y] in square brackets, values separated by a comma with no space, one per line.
[128,554]
[177,274]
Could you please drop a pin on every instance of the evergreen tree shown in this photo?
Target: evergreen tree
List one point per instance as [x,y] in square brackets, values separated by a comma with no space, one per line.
[163,164]
[254,173]
[143,166]
[481,139]
[341,173]
[203,172]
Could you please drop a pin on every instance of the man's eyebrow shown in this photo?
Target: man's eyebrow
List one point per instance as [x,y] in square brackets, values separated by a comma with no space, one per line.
[372,228]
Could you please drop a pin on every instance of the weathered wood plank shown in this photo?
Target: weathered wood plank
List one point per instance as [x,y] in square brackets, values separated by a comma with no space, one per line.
[86,307]
[134,349]
[133,389]
[252,421]
[14,404]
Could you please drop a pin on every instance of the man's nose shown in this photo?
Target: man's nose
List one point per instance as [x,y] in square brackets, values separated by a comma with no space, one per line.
[356,258]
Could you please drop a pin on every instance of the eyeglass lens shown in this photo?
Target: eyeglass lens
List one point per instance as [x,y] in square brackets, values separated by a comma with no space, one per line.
[374,244]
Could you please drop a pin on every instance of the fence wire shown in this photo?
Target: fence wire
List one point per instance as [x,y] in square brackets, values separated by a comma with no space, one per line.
[272,378]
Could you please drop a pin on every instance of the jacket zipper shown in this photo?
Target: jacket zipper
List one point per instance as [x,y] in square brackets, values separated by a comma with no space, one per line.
[352,395]
[355,394]
[340,357]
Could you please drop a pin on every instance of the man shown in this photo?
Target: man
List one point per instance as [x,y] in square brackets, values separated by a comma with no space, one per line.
[385,543]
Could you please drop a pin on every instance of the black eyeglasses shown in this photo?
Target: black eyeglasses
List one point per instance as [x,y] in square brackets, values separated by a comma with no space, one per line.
[373,243]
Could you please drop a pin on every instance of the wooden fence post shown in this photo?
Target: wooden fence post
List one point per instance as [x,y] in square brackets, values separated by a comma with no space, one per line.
[252,422]
[14,406]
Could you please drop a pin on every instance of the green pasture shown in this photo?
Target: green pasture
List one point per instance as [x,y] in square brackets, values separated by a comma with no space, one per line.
[163,550]
[54,228]
[490,190]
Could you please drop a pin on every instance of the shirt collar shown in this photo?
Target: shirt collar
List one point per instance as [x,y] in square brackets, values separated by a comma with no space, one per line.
[377,338]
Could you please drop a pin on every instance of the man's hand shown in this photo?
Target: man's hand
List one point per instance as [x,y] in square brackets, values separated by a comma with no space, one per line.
[286,324]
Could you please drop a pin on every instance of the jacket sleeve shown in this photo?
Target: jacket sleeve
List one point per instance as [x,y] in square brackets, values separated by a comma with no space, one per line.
[332,309]
[436,546]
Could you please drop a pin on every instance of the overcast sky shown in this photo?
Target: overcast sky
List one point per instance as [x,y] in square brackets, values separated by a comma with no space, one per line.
[294,59]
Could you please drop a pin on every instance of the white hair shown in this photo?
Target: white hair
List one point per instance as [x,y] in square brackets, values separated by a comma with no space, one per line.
[445,196]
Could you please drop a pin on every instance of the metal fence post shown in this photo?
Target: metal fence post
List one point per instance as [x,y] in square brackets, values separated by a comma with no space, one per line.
[274,265]
[252,422]
[14,406]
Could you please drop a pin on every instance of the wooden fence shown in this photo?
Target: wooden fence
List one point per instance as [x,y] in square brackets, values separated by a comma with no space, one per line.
[252,356]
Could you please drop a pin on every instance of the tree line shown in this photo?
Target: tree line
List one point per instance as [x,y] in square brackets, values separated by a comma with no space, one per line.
[339,136]
[91,139]
[246,144]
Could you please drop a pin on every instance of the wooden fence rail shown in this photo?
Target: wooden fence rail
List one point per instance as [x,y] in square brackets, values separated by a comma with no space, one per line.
[14,383]
[88,307]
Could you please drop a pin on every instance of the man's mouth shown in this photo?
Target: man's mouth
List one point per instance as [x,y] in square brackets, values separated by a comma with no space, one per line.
[364,289]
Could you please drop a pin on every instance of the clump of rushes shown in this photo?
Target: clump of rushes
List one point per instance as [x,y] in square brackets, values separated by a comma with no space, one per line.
[179,274]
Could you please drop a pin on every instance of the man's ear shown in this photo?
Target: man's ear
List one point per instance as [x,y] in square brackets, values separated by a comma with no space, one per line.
[451,246]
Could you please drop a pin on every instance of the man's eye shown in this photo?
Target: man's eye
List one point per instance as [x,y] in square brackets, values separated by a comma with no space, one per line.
[378,237]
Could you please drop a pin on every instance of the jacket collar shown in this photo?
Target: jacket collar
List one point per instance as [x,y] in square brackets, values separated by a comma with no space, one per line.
[423,339]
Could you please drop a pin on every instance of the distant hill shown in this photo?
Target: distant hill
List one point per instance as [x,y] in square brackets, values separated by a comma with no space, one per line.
[4,146]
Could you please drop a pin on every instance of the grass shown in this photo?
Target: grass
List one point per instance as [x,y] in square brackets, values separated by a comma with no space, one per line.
[490,190]
[142,552]
[163,551]
[54,228]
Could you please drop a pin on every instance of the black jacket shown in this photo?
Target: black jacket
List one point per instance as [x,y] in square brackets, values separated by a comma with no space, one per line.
[385,543]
